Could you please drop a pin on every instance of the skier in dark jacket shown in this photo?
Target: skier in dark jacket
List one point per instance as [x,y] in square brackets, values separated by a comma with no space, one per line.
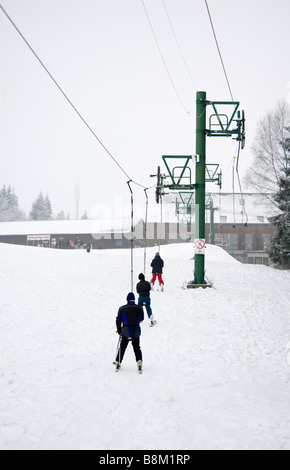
[128,327]
[143,289]
[157,266]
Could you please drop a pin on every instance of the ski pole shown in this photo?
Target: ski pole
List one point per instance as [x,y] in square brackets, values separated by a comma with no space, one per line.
[118,348]
[120,342]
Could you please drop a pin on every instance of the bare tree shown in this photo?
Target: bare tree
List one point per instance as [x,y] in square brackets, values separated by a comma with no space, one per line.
[270,157]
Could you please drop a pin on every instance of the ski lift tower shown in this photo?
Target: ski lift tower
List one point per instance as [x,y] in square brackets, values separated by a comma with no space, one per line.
[220,125]
[225,121]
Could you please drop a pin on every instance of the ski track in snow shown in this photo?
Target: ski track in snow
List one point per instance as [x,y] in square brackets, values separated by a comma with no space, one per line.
[215,370]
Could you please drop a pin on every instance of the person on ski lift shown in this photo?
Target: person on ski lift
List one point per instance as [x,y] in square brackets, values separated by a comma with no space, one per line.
[143,288]
[157,266]
[128,327]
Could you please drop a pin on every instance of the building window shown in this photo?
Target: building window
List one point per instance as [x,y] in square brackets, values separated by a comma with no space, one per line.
[249,241]
[229,241]
[218,239]
[267,242]
[174,238]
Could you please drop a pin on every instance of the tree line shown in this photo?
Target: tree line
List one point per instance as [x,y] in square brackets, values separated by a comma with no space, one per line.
[41,208]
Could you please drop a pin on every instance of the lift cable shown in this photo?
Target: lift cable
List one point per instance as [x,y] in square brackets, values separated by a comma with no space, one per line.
[145,230]
[68,99]
[179,47]
[219,51]
[164,62]
[132,235]
[240,185]
[233,189]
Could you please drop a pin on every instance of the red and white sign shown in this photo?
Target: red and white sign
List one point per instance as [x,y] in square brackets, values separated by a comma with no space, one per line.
[200,246]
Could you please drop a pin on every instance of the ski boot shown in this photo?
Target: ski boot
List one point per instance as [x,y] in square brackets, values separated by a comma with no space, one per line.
[118,366]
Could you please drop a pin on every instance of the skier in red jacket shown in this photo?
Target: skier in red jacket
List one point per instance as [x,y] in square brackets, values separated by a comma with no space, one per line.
[157,266]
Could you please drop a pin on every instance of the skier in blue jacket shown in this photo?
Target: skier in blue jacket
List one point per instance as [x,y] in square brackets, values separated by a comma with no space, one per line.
[128,327]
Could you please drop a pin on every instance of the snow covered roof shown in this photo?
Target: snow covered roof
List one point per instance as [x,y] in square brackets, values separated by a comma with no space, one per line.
[230,208]
[66,227]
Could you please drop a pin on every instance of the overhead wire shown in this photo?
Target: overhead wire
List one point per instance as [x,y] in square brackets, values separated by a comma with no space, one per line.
[178,45]
[219,51]
[240,185]
[164,61]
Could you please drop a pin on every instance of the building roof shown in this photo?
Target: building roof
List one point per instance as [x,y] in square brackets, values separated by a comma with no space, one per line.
[229,208]
[240,208]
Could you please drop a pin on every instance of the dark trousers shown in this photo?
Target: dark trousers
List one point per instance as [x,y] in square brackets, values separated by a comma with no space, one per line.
[136,346]
[146,301]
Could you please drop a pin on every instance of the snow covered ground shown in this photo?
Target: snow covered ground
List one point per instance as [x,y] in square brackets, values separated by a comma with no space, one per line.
[215,369]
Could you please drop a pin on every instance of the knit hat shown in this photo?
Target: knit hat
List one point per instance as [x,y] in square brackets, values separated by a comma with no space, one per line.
[130,297]
[141,277]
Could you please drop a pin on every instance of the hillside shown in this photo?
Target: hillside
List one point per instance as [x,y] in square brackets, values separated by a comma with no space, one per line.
[215,370]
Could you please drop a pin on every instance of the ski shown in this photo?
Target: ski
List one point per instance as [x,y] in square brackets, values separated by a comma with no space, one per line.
[153,323]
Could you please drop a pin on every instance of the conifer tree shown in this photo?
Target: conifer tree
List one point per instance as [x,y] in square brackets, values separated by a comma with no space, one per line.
[61,216]
[280,252]
[48,208]
[84,216]
[41,208]
[9,206]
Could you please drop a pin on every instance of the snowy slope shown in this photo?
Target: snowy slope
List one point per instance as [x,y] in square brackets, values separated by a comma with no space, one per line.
[215,370]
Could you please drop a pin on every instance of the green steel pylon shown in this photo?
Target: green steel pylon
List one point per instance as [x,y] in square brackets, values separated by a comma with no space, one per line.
[200,167]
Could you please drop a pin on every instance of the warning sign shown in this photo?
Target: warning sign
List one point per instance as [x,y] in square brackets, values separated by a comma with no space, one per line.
[200,246]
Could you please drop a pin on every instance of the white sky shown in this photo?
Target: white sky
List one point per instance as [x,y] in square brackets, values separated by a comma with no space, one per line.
[103,54]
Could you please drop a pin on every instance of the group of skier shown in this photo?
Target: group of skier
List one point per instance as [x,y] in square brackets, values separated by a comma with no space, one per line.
[131,315]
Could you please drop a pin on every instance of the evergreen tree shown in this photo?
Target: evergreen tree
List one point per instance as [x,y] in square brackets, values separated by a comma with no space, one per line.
[48,208]
[41,208]
[9,206]
[61,216]
[280,252]
[84,216]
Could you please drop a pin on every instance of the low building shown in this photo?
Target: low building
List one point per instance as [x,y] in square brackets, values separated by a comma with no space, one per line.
[239,225]
[68,234]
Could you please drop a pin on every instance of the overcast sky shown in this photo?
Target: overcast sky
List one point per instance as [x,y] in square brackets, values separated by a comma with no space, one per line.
[103,54]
